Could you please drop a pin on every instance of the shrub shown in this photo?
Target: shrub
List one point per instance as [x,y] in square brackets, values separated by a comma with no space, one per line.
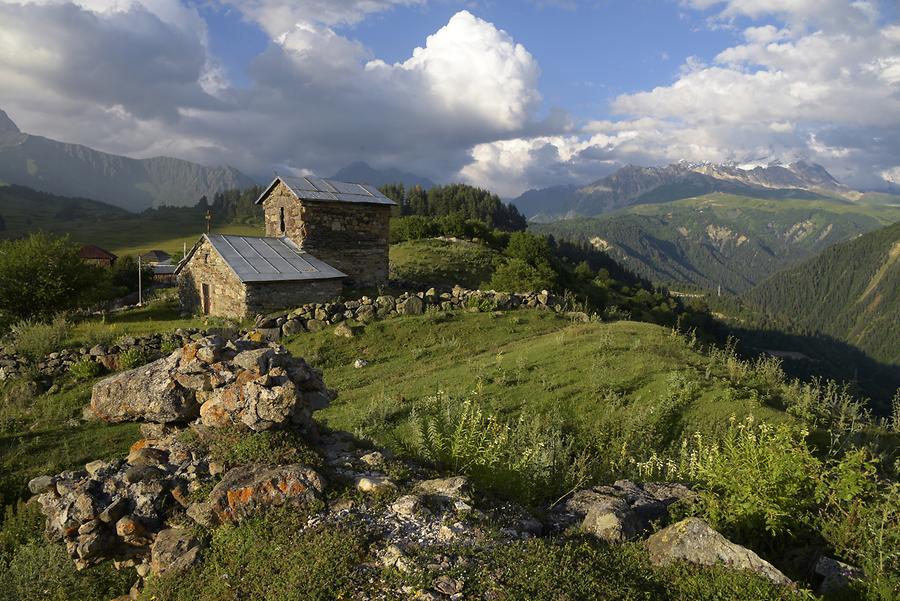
[43,274]
[861,520]
[85,369]
[759,482]
[529,460]
[516,275]
[132,357]
[37,339]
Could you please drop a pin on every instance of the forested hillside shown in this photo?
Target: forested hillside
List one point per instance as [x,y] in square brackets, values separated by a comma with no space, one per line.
[462,200]
[850,291]
[721,239]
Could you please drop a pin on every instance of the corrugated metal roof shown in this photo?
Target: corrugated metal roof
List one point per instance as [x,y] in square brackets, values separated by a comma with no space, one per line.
[314,188]
[270,259]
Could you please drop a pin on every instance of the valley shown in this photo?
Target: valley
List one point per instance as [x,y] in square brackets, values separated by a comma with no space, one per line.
[720,239]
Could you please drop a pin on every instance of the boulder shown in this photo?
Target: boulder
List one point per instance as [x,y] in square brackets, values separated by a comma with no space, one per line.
[622,511]
[836,575]
[692,540]
[253,487]
[174,550]
[413,306]
[446,489]
[343,330]
[147,393]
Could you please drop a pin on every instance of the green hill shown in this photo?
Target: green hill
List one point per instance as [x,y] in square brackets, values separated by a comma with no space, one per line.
[720,239]
[442,263]
[850,291]
[24,210]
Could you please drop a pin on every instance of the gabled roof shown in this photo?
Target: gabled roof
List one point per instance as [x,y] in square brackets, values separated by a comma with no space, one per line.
[328,190]
[89,251]
[155,256]
[255,259]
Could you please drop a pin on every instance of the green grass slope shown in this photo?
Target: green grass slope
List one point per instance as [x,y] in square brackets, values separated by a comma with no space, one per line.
[850,291]
[612,383]
[442,263]
[722,239]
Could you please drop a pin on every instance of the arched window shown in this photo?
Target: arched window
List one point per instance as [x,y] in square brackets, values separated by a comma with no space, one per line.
[281,220]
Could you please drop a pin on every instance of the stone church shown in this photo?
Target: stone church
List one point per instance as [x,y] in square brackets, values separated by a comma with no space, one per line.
[321,236]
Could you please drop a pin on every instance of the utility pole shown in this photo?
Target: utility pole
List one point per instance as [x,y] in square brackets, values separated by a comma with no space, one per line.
[140,291]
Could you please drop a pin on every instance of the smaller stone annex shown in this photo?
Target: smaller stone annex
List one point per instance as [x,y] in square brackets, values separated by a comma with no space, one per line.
[241,276]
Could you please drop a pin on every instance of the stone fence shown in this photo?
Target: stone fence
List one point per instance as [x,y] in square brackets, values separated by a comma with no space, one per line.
[316,316]
[311,317]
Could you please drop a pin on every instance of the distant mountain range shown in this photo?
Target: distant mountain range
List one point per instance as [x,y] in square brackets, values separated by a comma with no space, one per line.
[721,240]
[131,184]
[632,185]
[851,291]
[363,173]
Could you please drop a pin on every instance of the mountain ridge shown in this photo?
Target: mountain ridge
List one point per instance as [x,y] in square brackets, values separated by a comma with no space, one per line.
[850,291]
[633,184]
[133,184]
[362,172]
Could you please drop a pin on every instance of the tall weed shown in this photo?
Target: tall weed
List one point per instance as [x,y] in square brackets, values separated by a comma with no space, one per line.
[530,459]
[758,482]
[36,339]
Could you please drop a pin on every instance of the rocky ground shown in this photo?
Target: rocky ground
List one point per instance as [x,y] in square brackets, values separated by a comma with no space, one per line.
[152,511]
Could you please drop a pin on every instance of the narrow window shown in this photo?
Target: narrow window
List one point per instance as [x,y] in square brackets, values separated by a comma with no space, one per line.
[281,220]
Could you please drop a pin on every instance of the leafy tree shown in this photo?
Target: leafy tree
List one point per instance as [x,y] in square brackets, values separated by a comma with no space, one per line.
[533,250]
[43,274]
[516,275]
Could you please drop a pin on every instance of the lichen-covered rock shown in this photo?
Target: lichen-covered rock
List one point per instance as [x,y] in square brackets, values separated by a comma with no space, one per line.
[249,488]
[238,383]
[622,511]
[174,550]
[147,393]
[447,489]
[692,540]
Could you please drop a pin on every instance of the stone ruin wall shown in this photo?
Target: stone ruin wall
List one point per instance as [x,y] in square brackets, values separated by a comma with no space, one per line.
[226,292]
[353,237]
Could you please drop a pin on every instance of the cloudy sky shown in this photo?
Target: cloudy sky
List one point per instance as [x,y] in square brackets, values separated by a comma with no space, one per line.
[508,95]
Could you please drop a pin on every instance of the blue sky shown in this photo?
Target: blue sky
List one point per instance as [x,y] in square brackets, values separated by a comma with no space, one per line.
[506,95]
[589,52]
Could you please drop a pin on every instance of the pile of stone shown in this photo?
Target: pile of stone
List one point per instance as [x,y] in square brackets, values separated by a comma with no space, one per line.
[316,316]
[143,511]
[130,510]
[223,383]
[13,364]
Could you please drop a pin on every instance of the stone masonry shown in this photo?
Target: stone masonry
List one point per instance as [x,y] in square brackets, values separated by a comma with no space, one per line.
[229,297]
[353,237]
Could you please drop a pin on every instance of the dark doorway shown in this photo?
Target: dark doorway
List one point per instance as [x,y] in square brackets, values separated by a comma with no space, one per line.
[204,289]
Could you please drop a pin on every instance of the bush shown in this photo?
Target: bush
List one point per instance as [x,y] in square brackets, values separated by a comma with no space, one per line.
[85,369]
[132,357]
[758,483]
[515,275]
[37,339]
[41,275]
[861,520]
[529,460]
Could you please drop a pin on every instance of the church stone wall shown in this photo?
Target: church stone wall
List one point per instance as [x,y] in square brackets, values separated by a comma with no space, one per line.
[353,237]
[267,297]
[226,292]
